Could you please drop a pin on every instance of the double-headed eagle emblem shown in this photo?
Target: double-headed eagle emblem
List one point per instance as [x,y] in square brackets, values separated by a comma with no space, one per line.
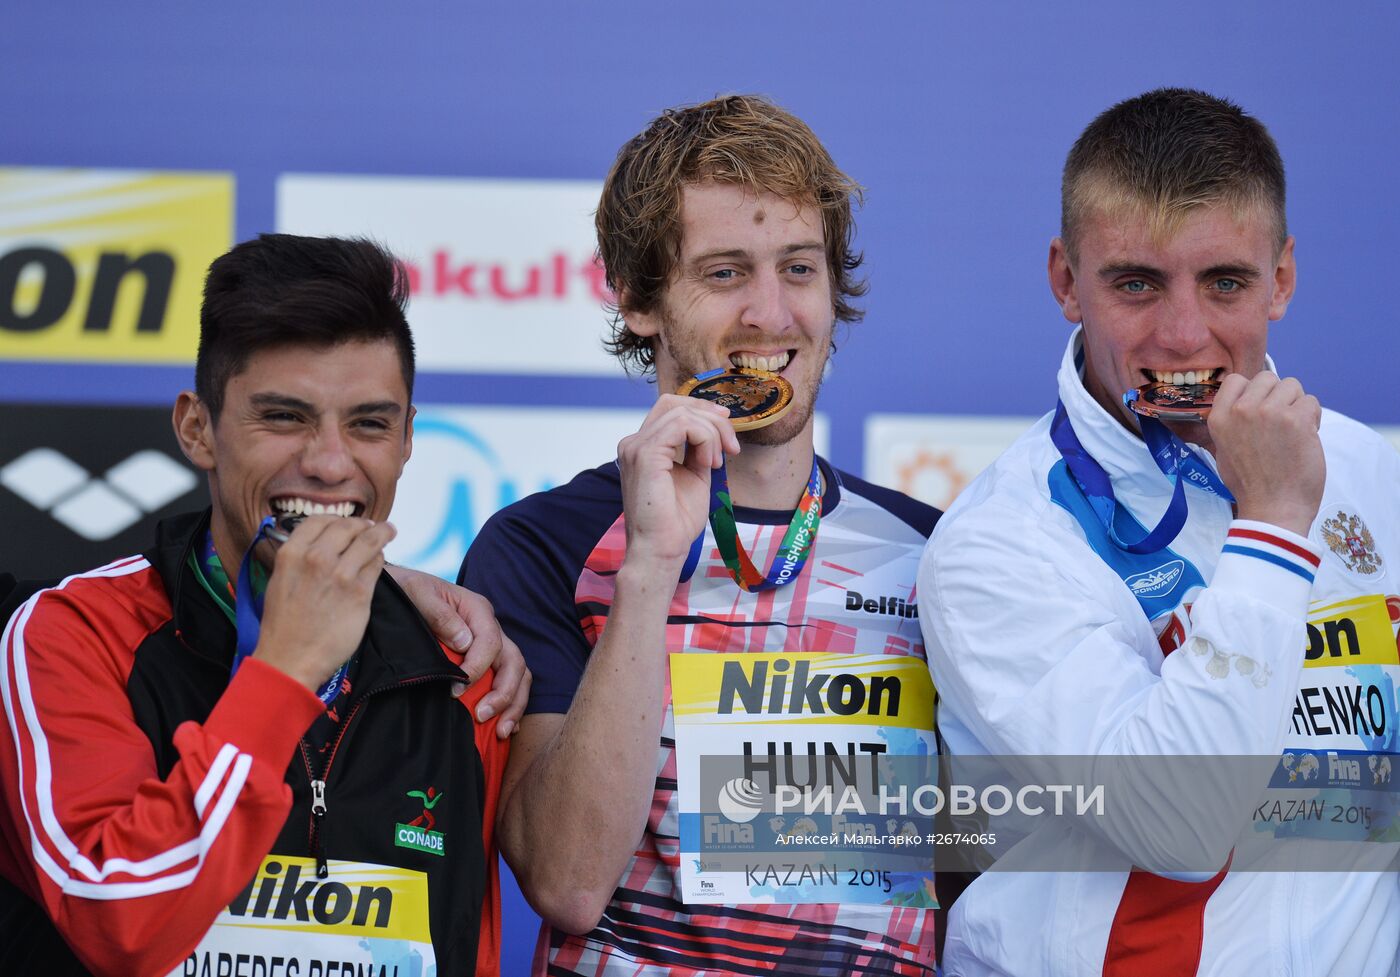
[1347,536]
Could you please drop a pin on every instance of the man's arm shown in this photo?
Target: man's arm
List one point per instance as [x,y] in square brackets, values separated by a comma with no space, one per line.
[132,869]
[1038,649]
[579,786]
[463,621]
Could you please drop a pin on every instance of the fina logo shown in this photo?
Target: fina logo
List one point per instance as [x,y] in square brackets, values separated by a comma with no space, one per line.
[450,487]
[1157,582]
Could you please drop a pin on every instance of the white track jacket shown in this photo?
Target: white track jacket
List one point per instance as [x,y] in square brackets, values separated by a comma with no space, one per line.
[1239,639]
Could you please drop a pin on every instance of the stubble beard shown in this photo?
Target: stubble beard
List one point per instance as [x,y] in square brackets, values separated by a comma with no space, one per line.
[790,425]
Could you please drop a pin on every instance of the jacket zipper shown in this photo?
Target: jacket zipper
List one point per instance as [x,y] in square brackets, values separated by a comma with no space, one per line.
[318,784]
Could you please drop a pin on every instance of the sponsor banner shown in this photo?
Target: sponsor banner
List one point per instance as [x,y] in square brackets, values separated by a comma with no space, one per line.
[361,918]
[933,457]
[107,265]
[82,486]
[776,758]
[502,271]
[468,462]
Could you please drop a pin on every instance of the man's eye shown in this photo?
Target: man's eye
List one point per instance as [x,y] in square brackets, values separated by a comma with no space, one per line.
[1135,287]
[723,274]
[1228,285]
[280,417]
[801,269]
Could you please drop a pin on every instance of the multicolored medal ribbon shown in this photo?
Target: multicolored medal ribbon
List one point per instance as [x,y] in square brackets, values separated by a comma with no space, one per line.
[1175,460]
[792,553]
[248,610]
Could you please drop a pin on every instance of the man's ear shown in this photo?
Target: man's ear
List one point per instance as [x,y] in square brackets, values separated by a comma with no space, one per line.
[408,438]
[1063,283]
[1285,281]
[643,324]
[194,430]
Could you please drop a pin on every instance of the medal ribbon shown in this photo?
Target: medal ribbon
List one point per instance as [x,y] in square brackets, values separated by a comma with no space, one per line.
[248,609]
[792,554]
[1175,460]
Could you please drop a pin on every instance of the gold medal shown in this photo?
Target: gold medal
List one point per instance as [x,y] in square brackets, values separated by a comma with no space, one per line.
[755,398]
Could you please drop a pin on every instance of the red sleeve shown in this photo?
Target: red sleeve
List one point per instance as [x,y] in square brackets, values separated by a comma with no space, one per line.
[493,752]
[132,869]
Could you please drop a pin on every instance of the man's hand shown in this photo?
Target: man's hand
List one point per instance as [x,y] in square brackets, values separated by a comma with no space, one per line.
[464,621]
[317,604]
[667,501]
[1266,442]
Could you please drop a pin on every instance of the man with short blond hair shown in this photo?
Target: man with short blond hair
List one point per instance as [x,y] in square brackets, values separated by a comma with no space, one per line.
[1139,575]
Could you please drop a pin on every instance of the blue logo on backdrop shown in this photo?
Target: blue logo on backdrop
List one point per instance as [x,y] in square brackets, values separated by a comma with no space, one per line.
[453,483]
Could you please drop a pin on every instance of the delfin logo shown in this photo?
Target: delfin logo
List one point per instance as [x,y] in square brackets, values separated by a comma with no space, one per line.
[1157,582]
[418,834]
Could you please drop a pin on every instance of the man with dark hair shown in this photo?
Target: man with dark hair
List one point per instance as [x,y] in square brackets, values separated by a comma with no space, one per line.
[245,752]
[1166,555]
[726,231]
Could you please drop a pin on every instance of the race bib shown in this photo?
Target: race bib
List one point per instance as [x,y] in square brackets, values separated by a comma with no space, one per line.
[794,773]
[1334,780]
[362,919]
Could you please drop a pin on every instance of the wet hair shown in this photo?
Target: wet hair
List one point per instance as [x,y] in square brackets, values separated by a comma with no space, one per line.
[744,140]
[1166,153]
[287,290]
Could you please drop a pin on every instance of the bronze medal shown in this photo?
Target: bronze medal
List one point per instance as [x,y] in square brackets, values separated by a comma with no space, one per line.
[1172,401]
[755,398]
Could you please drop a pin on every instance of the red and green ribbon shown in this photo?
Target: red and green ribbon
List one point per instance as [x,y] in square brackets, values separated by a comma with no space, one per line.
[797,542]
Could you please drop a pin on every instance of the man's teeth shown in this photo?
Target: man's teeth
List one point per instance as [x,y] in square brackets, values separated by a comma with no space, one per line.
[305,507]
[1188,376]
[752,361]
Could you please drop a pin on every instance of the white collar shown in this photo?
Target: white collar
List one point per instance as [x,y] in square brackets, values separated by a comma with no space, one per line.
[1121,452]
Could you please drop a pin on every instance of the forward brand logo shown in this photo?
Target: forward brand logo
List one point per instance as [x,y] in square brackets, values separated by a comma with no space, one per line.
[895,606]
[97,508]
[1157,582]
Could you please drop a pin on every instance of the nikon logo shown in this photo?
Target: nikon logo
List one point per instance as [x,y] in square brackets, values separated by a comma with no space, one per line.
[760,690]
[894,606]
[1336,639]
[106,265]
[48,282]
[287,897]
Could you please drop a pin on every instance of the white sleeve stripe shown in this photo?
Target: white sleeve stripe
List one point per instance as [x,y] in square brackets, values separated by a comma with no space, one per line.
[217,769]
[207,835]
[13,666]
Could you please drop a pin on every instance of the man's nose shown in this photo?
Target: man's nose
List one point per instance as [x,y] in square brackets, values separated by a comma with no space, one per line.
[1185,324]
[326,456]
[769,305]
